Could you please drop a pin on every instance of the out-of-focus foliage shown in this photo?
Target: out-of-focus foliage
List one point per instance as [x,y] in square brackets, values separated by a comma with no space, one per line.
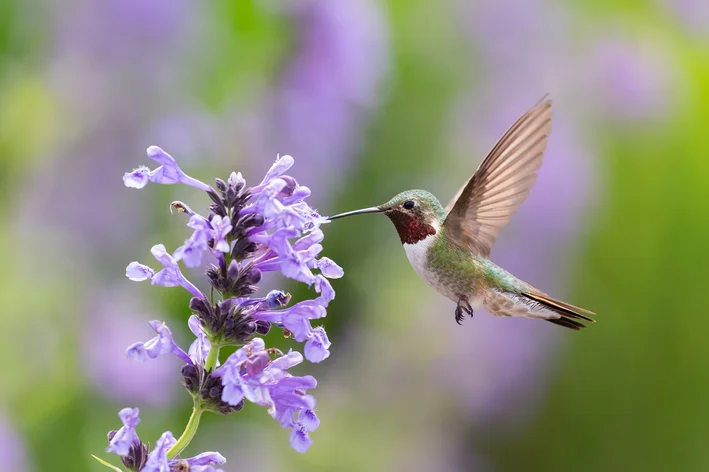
[371,98]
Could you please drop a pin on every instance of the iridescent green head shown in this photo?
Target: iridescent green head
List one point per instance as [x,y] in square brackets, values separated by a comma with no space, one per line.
[416,214]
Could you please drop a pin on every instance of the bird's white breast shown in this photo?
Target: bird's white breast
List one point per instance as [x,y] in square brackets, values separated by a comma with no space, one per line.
[418,254]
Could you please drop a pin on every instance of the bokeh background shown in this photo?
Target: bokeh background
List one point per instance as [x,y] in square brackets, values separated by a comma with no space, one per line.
[371,98]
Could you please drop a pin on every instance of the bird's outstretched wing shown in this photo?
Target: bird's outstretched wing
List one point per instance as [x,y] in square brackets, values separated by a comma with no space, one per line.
[484,205]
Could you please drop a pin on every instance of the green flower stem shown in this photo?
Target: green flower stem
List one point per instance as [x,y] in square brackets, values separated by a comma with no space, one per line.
[193,423]
[190,430]
[212,357]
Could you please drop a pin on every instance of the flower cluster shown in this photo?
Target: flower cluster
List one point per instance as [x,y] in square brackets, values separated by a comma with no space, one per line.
[135,456]
[247,231]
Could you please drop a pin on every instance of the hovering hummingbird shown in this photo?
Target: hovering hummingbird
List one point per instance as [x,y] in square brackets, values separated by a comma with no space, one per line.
[449,247]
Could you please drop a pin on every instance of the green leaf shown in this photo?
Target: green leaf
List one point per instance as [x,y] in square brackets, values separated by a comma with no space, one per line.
[110,466]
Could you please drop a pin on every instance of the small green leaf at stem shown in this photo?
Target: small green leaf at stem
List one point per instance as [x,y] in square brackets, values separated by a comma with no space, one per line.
[110,466]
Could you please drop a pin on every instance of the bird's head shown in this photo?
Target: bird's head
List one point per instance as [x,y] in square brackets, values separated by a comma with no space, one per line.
[416,214]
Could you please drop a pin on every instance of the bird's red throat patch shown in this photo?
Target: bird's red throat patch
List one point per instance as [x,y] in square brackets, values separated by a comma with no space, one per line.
[410,229]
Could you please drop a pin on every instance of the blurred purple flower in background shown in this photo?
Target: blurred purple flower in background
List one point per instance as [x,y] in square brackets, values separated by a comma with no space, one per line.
[693,14]
[101,79]
[330,84]
[12,451]
[116,319]
[631,79]
[110,66]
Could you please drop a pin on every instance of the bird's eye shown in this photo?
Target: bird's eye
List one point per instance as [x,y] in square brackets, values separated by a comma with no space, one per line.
[409,204]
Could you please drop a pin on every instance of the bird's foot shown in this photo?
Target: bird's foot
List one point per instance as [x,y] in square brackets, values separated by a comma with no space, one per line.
[462,306]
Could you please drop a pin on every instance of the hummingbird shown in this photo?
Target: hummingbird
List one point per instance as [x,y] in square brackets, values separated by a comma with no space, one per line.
[449,247]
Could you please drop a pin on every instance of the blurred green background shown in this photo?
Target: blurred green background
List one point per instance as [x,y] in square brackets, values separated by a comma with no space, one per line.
[371,98]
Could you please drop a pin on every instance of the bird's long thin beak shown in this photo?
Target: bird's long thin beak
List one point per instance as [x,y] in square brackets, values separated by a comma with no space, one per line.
[358,212]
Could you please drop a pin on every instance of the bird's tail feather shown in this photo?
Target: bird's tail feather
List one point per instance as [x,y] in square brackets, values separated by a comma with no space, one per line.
[569,313]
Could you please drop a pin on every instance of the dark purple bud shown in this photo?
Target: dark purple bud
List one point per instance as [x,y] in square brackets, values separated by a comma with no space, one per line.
[225,306]
[211,394]
[263,327]
[247,221]
[214,196]
[191,377]
[111,434]
[220,184]
[217,209]
[253,276]
[137,456]
[242,249]
[233,271]
[201,307]
[230,196]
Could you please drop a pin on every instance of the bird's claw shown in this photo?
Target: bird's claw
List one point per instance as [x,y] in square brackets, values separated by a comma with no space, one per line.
[459,315]
[463,305]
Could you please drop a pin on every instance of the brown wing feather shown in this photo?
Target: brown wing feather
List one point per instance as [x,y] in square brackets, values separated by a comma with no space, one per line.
[502,182]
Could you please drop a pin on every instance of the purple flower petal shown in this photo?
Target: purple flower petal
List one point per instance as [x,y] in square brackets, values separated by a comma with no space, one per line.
[139,178]
[281,165]
[323,287]
[235,179]
[316,349]
[205,458]
[299,439]
[157,459]
[171,276]
[169,172]
[329,268]
[199,350]
[138,272]
[309,420]
[314,237]
[125,437]
[221,227]
[157,346]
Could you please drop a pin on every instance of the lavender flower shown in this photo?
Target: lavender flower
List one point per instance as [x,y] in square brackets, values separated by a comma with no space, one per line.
[12,450]
[331,83]
[125,437]
[169,276]
[247,231]
[168,172]
[117,318]
[250,374]
[135,456]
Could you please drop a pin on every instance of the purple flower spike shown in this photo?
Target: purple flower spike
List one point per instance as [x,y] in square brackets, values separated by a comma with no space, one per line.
[138,272]
[169,172]
[139,178]
[157,346]
[157,459]
[125,437]
[276,230]
[316,349]
[171,276]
